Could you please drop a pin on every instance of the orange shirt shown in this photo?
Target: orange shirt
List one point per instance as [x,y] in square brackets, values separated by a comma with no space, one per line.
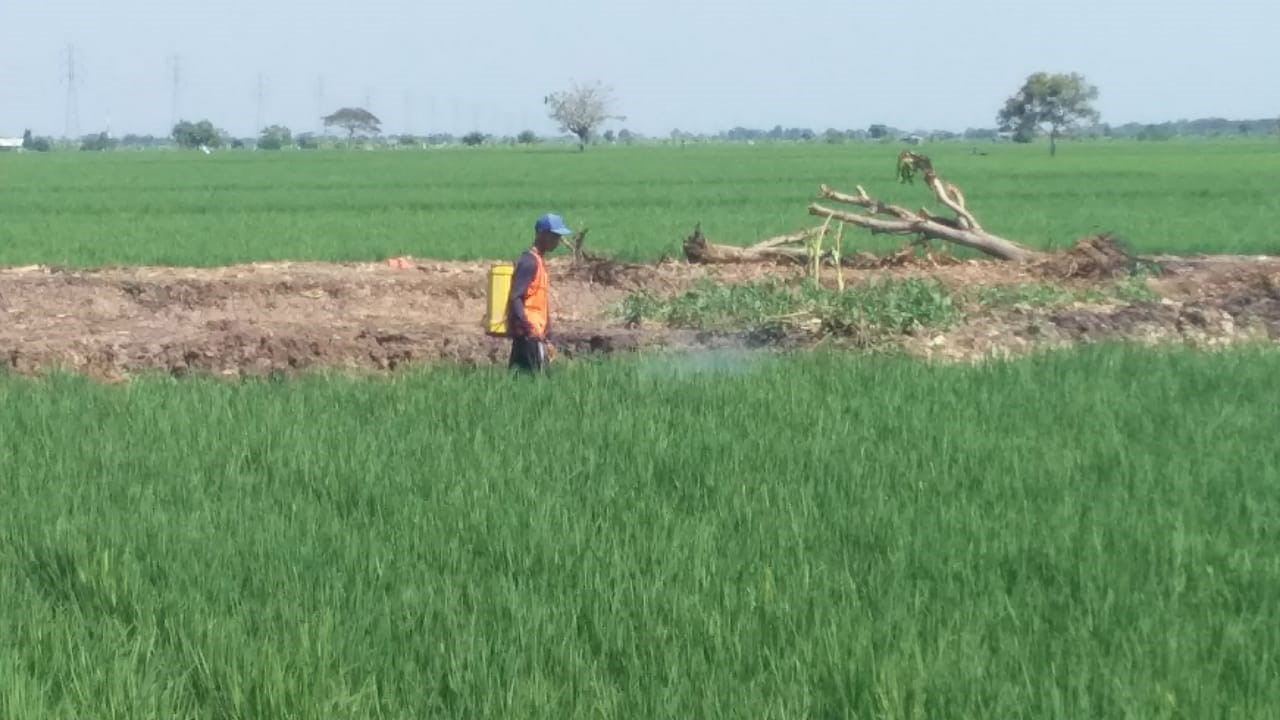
[529,307]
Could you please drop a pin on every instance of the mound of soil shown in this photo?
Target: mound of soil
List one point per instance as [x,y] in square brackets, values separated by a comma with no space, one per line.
[1098,257]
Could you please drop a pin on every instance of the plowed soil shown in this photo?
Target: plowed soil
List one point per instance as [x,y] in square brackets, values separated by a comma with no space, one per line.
[255,319]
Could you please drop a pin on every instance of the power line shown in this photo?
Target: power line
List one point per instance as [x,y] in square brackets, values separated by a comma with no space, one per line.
[175,70]
[320,109]
[262,99]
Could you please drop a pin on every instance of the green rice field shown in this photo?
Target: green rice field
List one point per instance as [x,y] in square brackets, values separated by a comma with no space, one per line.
[185,208]
[1094,534]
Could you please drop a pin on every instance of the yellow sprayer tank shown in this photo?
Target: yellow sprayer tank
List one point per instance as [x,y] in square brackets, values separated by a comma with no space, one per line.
[495,321]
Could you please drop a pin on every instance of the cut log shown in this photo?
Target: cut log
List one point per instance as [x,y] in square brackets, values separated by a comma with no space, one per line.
[697,249]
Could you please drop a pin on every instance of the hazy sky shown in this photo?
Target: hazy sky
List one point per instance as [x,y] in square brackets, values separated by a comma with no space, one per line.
[695,65]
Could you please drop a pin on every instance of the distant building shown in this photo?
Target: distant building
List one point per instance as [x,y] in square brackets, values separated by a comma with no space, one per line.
[10,144]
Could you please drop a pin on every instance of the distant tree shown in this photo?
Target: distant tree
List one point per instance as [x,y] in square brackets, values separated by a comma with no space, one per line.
[275,137]
[626,137]
[1153,132]
[473,139]
[194,135]
[141,141]
[408,141]
[878,131]
[833,136]
[527,137]
[1057,102]
[354,120]
[35,144]
[582,109]
[307,141]
[741,134]
[97,143]
[610,137]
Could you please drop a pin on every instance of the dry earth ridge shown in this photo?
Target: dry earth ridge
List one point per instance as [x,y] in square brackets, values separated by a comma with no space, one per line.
[254,319]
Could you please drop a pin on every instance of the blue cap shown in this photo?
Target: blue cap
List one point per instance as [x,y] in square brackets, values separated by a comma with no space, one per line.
[552,223]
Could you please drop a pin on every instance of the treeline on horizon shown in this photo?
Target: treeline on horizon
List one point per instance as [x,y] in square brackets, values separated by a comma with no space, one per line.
[1214,127]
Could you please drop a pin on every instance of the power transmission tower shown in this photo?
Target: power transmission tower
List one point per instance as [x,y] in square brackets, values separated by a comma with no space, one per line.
[72,129]
[175,70]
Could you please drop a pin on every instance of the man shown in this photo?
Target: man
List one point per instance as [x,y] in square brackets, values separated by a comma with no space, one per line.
[529,305]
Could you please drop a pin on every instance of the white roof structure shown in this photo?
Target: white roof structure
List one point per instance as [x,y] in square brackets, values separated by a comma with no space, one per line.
[10,143]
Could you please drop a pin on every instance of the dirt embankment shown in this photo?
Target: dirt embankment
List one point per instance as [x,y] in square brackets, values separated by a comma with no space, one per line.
[255,319]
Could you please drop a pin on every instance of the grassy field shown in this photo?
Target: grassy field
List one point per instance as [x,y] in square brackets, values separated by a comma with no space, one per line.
[1090,535]
[190,209]
[1093,534]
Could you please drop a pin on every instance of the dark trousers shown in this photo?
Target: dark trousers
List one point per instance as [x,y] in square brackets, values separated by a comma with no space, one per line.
[528,355]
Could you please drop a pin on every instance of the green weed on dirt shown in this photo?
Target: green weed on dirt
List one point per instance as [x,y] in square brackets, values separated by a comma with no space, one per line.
[1082,535]
[1044,294]
[876,307]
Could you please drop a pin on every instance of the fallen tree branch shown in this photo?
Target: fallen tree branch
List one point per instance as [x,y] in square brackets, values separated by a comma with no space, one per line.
[700,250]
[880,217]
[917,225]
[798,237]
[963,229]
[576,244]
[946,193]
